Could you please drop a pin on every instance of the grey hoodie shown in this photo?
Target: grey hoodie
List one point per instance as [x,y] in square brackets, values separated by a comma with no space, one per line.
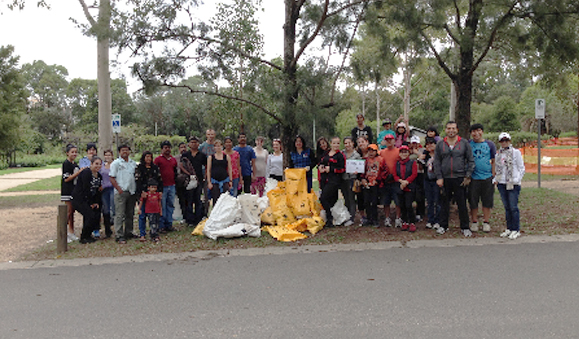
[453,163]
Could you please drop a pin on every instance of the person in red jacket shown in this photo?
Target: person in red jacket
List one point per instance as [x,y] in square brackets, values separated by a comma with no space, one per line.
[372,179]
[405,174]
[332,165]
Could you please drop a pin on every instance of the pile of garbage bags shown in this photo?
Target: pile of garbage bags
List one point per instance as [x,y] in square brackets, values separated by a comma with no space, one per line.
[286,212]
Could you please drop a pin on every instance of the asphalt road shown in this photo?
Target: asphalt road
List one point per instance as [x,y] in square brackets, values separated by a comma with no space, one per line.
[491,291]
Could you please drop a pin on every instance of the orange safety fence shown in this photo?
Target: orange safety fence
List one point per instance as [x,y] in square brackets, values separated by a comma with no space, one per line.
[553,161]
[567,141]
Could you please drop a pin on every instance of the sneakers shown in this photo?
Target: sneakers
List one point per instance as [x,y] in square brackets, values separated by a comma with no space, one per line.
[474,226]
[87,241]
[388,222]
[486,227]
[70,237]
[405,226]
[412,228]
[96,234]
[506,234]
[428,225]
[467,233]
[514,235]
[398,222]
[440,230]
[418,218]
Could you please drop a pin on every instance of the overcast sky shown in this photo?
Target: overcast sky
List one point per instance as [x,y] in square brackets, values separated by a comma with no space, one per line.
[49,35]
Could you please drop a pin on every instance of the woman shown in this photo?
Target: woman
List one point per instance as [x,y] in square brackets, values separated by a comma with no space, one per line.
[322,147]
[275,161]
[362,147]
[349,178]
[258,185]
[70,172]
[86,199]
[510,170]
[237,180]
[145,171]
[363,151]
[332,166]
[108,202]
[303,157]
[218,172]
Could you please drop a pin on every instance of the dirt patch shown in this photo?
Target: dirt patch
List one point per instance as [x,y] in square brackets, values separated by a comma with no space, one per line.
[564,186]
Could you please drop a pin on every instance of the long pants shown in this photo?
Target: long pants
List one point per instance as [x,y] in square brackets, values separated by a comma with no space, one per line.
[91,218]
[371,201]
[510,200]
[153,224]
[186,204]
[216,192]
[108,208]
[329,198]
[124,212]
[247,184]
[349,197]
[432,193]
[168,203]
[405,200]
[419,195]
[199,211]
[452,188]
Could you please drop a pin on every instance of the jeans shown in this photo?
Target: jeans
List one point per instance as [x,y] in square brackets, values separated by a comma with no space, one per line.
[168,203]
[510,200]
[108,199]
[432,193]
[234,186]
[142,222]
[153,224]
[452,188]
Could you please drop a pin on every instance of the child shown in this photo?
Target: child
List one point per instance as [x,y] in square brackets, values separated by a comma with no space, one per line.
[153,210]
[372,179]
[431,189]
[70,171]
[405,174]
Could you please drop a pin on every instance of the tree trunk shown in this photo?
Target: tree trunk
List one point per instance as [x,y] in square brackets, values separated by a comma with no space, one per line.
[464,93]
[104,78]
[377,109]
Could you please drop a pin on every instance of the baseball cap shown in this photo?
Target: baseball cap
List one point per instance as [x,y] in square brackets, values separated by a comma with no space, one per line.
[504,135]
[386,121]
[388,136]
[404,147]
[401,124]
[415,138]
[373,146]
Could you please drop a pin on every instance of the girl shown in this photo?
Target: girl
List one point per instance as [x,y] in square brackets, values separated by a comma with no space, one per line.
[348,179]
[70,171]
[145,171]
[303,157]
[405,174]
[373,177]
[218,172]
[258,185]
[332,166]
[236,181]
[86,198]
[363,151]
[275,161]
[108,202]
[322,147]
[510,170]
[432,132]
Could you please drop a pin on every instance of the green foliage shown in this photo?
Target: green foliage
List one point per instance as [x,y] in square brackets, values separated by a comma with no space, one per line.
[518,138]
[153,143]
[504,116]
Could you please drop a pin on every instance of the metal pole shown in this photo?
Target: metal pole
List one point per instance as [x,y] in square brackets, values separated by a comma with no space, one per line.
[61,235]
[539,153]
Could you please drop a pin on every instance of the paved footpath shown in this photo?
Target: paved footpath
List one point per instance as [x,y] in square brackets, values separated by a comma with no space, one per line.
[11,180]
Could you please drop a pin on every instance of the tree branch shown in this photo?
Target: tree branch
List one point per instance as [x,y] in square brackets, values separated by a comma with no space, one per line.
[441,62]
[449,32]
[457,15]
[313,36]
[89,17]
[352,4]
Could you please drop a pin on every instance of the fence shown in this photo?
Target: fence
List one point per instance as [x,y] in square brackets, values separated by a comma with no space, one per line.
[553,161]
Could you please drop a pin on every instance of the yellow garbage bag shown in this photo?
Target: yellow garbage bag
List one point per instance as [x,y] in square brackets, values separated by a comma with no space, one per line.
[282,233]
[267,216]
[300,225]
[277,198]
[295,181]
[299,204]
[199,229]
[315,205]
[283,216]
[281,185]
[315,224]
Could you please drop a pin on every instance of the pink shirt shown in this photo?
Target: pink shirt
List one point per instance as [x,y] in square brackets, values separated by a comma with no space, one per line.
[234,164]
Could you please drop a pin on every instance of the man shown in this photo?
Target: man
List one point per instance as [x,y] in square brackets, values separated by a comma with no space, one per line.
[481,187]
[167,167]
[207,147]
[388,192]
[198,160]
[122,174]
[453,165]
[185,196]
[387,125]
[91,150]
[361,130]
[246,160]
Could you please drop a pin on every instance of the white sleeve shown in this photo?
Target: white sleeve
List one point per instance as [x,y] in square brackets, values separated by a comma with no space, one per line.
[520,164]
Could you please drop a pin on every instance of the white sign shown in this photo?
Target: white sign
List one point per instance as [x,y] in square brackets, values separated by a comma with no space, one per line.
[540,109]
[355,166]
[116,118]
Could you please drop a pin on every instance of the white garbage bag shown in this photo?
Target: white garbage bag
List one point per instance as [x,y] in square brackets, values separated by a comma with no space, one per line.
[237,230]
[223,215]
[270,184]
[340,213]
[263,203]
[250,210]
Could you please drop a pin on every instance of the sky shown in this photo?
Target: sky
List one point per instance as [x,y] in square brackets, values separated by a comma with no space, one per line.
[50,35]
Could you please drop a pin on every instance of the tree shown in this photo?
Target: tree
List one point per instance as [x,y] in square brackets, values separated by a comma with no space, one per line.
[13,96]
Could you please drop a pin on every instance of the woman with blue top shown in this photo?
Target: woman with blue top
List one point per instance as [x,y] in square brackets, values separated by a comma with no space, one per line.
[303,157]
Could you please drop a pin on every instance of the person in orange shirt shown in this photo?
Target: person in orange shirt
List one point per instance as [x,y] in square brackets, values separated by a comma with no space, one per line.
[373,178]
[388,192]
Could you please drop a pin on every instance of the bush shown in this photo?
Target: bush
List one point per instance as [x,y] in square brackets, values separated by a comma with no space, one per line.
[153,143]
[518,138]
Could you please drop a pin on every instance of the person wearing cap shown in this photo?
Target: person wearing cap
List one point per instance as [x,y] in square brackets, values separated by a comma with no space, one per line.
[481,187]
[510,170]
[91,150]
[388,194]
[418,154]
[168,167]
[405,176]
[453,165]
[387,125]
[402,132]
[122,175]
[372,179]
[361,129]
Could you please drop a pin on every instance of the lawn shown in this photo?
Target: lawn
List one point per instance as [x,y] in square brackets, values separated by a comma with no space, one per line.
[48,184]
[26,169]
[542,212]
[29,201]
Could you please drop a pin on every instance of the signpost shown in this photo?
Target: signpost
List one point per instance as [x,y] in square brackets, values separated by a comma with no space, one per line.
[539,115]
[116,120]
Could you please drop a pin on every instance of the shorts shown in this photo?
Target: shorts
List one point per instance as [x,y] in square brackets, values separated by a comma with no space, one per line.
[481,190]
[388,193]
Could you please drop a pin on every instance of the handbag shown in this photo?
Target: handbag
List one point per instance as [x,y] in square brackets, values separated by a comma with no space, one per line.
[192,183]
[182,180]
[357,186]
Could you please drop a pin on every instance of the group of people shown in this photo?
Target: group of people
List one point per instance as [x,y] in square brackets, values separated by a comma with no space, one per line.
[397,169]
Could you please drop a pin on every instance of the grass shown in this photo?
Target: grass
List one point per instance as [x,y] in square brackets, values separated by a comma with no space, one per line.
[561,147]
[48,184]
[543,211]
[29,201]
[548,177]
[26,169]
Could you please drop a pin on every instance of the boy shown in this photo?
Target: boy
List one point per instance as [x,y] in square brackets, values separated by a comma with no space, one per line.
[153,210]
[372,179]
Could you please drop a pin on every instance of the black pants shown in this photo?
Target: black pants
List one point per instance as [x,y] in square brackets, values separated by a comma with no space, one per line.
[186,204]
[216,193]
[405,200]
[419,196]
[329,198]
[91,218]
[452,188]
[371,201]
[247,184]
[198,213]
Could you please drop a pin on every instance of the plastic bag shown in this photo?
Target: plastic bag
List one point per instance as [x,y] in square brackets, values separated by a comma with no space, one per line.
[250,211]
[223,215]
[300,225]
[277,198]
[315,205]
[299,204]
[199,228]
[315,224]
[237,230]
[295,181]
[340,213]
[282,233]
[270,184]
[283,216]
[267,216]
[263,203]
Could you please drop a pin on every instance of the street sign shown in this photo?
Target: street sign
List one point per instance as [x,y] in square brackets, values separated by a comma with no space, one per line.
[540,109]
[116,118]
